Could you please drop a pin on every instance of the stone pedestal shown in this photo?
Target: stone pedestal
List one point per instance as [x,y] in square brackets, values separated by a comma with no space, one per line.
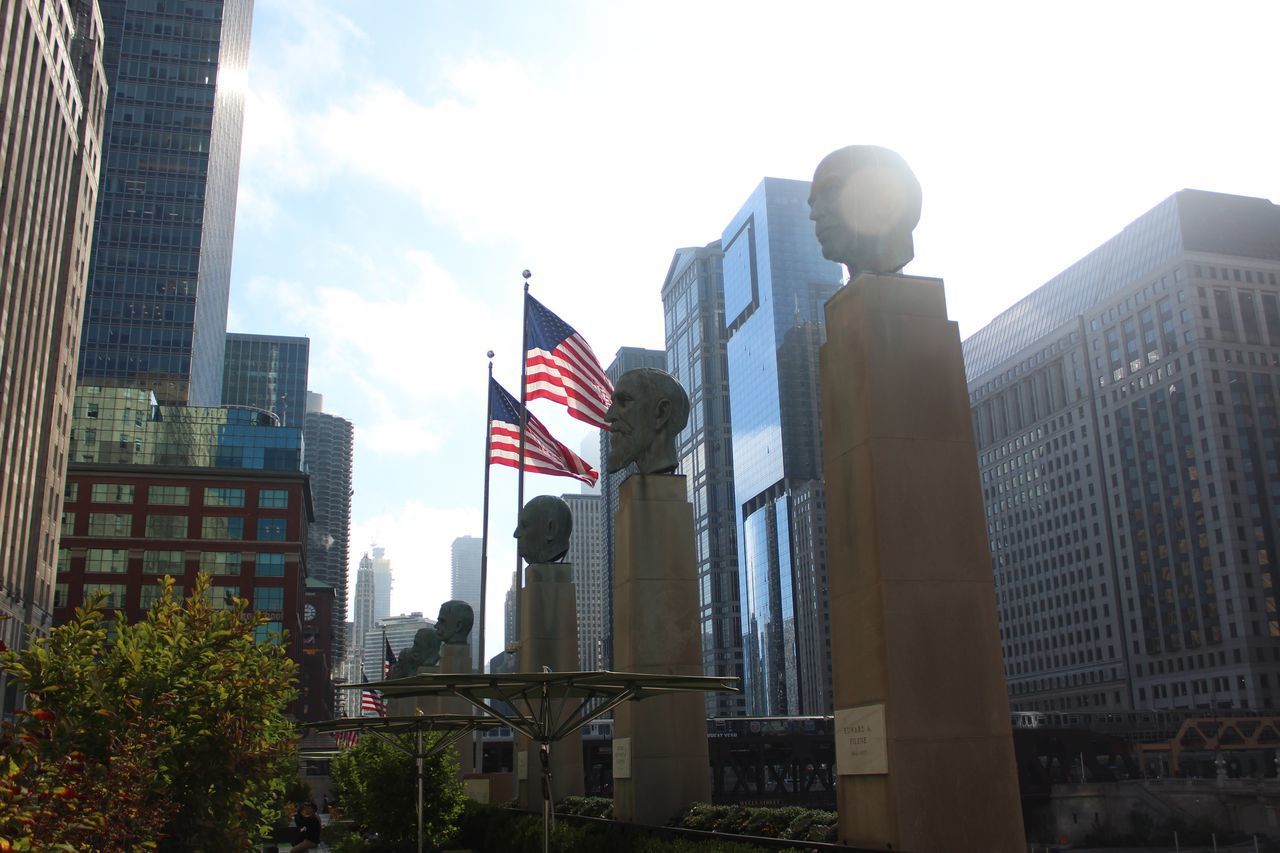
[549,637]
[655,630]
[454,658]
[917,671]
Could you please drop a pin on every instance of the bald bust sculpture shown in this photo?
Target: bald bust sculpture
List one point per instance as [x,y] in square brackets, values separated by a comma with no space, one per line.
[542,533]
[648,411]
[865,202]
[454,622]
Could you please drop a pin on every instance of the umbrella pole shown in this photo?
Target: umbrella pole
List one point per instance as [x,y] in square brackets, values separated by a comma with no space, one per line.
[419,758]
[548,803]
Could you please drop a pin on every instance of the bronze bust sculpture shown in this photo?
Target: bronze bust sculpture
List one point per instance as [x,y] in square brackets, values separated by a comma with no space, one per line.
[542,533]
[648,411]
[865,201]
[453,625]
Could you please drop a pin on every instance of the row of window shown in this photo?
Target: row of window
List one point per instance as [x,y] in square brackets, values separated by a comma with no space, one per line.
[176,526]
[121,493]
[114,595]
[116,561]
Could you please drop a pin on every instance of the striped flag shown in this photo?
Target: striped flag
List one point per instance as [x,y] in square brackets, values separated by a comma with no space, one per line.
[371,702]
[560,366]
[542,453]
[388,656]
[346,740]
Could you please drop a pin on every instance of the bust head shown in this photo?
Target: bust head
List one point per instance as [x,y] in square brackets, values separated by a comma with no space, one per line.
[864,202]
[542,533]
[648,411]
[454,622]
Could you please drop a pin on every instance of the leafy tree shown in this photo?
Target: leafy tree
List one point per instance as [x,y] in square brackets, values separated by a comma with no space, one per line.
[187,694]
[377,784]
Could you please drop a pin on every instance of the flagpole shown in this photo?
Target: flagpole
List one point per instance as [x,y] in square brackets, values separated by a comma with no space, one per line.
[524,420]
[484,524]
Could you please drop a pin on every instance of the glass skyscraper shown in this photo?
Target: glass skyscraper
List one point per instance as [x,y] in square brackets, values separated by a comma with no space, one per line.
[328,454]
[775,284]
[693,303]
[160,272]
[267,372]
[1127,416]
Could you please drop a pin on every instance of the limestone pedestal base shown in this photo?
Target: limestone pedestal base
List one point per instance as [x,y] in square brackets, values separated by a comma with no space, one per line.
[655,622]
[915,644]
[549,637]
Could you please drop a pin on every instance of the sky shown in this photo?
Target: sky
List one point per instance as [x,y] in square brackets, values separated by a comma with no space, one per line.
[405,160]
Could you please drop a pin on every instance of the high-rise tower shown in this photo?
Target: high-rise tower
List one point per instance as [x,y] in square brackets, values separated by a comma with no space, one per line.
[267,372]
[328,448]
[586,554]
[1126,422]
[465,585]
[775,284]
[156,312]
[51,119]
[693,302]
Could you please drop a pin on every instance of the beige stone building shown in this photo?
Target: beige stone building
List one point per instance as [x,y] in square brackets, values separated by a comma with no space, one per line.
[52,106]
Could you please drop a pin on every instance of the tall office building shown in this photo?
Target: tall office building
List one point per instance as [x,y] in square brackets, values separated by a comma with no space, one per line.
[268,372]
[627,358]
[465,585]
[328,446]
[399,631]
[51,118]
[586,555]
[380,565]
[1126,422]
[693,302]
[775,284]
[156,312]
[373,593]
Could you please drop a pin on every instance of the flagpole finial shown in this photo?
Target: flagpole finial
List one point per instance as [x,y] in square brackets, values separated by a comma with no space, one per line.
[526,275]
[489,354]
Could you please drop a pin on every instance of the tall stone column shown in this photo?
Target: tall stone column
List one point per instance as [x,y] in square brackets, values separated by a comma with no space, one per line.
[924,750]
[549,637]
[454,658]
[655,630]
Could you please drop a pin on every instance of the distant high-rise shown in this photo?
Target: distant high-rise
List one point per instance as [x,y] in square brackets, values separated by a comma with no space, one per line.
[586,554]
[775,284]
[51,125]
[399,631]
[628,358]
[328,445]
[268,372]
[1126,417]
[372,577]
[693,301]
[465,584]
[156,312]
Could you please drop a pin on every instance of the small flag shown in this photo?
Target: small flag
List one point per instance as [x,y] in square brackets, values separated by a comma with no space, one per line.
[371,702]
[542,453]
[560,366]
[388,656]
[346,740]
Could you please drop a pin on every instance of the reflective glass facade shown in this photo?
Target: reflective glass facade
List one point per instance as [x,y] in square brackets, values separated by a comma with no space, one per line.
[775,284]
[166,202]
[693,303]
[328,453]
[267,372]
[123,425]
[1129,444]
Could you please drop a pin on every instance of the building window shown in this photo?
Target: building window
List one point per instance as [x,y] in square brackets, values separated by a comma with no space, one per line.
[111,493]
[223,497]
[169,495]
[166,527]
[269,598]
[114,560]
[272,529]
[64,559]
[71,492]
[114,593]
[59,595]
[270,566]
[68,527]
[270,632]
[150,594]
[222,527]
[220,597]
[273,499]
[220,562]
[109,524]
[164,562]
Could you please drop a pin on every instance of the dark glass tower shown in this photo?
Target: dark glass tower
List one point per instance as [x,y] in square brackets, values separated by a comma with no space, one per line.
[628,358]
[775,284]
[268,372]
[693,301]
[159,279]
[328,447]
[1127,416]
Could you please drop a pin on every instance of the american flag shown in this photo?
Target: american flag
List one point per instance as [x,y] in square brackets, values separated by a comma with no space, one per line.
[388,656]
[560,366]
[542,453]
[346,740]
[371,701]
